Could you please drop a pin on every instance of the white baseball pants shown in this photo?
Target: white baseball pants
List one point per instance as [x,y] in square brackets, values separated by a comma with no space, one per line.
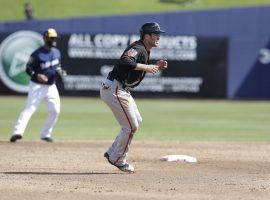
[37,93]
[127,114]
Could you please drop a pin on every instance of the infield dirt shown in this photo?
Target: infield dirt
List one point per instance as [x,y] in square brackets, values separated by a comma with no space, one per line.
[77,170]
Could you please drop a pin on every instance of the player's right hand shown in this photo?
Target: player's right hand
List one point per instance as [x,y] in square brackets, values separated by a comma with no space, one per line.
[152,69]
[42,78]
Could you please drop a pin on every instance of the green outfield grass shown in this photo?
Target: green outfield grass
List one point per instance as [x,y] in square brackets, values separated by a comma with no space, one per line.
[90,119]
[13,9]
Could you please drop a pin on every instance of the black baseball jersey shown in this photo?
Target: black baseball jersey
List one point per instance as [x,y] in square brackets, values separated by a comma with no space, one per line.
[124,70]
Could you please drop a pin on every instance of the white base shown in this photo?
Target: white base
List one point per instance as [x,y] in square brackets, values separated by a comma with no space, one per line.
[181,158]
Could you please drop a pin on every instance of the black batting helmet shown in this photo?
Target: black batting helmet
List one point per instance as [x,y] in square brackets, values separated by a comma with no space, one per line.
[150,27]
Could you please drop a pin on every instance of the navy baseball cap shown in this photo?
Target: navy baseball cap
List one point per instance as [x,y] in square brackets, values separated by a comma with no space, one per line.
[151,27]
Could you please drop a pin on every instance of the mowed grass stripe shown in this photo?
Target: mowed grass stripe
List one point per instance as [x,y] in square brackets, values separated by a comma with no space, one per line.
[91,119]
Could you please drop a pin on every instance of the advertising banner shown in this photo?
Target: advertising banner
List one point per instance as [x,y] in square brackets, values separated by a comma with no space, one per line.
[257,83]
[196,65]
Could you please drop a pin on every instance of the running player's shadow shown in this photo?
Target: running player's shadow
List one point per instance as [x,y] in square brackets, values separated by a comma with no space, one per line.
[60,173]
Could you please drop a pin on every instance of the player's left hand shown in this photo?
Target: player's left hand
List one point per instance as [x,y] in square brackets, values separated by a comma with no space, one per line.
[162,64]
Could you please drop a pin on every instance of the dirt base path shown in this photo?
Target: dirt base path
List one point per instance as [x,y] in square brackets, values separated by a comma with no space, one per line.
[77,170]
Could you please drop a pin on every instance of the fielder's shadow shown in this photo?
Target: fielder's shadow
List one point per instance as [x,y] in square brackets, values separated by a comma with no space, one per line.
[60,173]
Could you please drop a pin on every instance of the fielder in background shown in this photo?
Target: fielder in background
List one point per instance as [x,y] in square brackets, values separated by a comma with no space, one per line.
[43,66]
[127,73]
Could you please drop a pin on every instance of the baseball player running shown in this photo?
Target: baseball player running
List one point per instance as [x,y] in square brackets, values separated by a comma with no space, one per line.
[127,73]
[43,66]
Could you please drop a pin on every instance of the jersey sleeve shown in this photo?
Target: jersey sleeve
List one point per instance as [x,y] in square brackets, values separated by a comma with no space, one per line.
[130,57]
[30,65]
[59,56]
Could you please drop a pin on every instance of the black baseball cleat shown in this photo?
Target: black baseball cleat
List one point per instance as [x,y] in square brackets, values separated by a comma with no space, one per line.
[14,138]
[125,168]
[47,139]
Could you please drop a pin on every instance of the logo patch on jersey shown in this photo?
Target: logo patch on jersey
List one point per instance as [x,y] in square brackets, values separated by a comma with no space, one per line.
[49,63]
[132,53]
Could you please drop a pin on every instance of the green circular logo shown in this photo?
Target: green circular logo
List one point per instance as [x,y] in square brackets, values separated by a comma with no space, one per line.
[14,54]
